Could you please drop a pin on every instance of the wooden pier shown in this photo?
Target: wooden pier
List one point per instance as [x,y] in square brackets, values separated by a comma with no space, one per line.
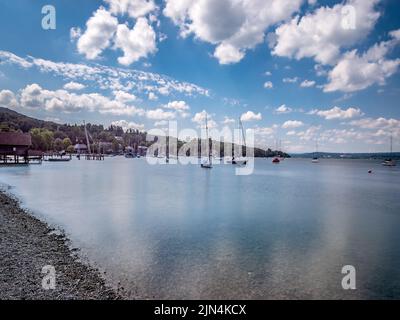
[99,157]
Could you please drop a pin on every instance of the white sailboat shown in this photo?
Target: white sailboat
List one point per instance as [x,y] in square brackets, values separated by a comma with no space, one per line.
[241,161]
[207,164]
[315,158]
[390,162]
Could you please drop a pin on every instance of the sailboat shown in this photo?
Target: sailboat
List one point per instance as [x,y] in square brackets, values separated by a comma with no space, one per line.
[276,159]
[242,161]
[315,158]
[208,163]
[390,162]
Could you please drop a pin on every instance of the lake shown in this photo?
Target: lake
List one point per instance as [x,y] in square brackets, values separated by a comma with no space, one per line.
[182,232]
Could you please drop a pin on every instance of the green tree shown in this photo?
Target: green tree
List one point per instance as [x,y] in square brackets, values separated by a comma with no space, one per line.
[58,145]
[67,143]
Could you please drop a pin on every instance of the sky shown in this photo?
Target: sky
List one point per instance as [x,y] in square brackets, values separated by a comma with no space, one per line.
[294,71]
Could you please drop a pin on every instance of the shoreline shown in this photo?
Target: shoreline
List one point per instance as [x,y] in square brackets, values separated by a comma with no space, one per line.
[27,245]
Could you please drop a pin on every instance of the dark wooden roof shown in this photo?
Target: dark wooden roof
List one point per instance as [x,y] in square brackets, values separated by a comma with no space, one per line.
[15,139]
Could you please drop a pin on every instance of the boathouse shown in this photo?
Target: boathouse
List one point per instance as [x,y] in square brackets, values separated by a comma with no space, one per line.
[80,148]
[14,146]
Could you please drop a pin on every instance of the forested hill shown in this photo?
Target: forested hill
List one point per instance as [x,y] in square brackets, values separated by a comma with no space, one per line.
[48,136]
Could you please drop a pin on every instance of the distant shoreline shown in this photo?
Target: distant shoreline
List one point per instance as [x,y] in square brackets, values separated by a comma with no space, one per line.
[27,245]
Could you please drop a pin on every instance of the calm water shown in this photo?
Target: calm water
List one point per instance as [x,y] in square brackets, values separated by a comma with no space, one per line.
[185,232]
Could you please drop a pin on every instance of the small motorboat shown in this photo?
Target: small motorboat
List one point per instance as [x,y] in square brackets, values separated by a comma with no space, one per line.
[206,165]
[276,160]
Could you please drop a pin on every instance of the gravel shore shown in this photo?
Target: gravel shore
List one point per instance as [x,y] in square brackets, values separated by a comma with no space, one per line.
[26,246]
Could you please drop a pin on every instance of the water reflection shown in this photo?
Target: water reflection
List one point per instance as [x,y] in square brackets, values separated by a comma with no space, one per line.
[182,232]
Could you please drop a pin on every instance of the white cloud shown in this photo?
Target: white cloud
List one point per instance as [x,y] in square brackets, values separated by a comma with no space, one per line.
[152,96]
[7,99]
[379,123]
[136,43]
[228,120]
[338,113]
[356,72]
[290,80]
[134,8]
[35,97]
[283,109]
[291,124]
[307,84]
[161,123]
[160,114]
[74,86]
[75,33]
[125,125]
[322,33]
[124,97]
[310,134]
[251,116]
[268,85]
[106,78]
[100,29]
[234,26]
[177,105]
[10,58]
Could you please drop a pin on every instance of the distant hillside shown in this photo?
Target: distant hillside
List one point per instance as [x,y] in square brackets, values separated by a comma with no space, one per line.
[18,121]
[332,155]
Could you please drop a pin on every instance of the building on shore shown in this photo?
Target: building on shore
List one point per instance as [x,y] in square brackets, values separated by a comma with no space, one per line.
[81,148]
[14,146]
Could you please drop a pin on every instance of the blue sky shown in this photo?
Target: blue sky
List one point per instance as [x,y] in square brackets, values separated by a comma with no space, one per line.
[293,70]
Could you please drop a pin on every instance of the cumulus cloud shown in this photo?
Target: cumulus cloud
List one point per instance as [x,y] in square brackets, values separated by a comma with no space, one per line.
[100,29]
[34,96]
[136,43]
[307,84]
[234,26]
[177,105]
[124,97]
[104,31]
[356,72]
[338,113]
[291,124]
[283,109]
[134,8]
[200,119]
[268,85]
[322,33]
[251,116]
[74,86]
[378,123]
[7,99]
[228,120]
[160,114]
[125,125]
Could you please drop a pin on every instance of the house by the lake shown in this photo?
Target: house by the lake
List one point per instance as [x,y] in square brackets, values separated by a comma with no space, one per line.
[14,146]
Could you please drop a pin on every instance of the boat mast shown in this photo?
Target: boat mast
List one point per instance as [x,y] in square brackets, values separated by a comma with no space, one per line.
[87,137]
[208,141]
